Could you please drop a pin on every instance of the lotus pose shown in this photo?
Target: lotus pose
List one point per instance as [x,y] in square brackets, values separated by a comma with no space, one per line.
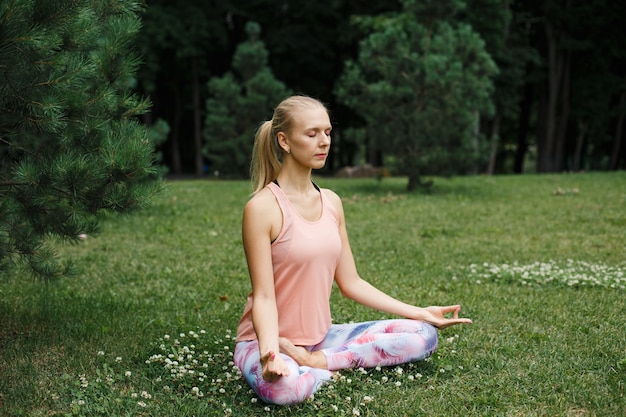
[296,245]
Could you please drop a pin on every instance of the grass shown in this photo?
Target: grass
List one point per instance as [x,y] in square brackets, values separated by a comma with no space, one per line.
[147,326]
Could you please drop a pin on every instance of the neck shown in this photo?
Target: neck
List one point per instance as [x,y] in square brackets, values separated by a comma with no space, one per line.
[295,181]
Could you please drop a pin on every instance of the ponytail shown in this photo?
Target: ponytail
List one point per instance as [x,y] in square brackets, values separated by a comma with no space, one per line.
[265,163]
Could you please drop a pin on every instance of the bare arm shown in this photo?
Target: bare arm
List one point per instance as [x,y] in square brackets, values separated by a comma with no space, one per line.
[256,233]
[354,287]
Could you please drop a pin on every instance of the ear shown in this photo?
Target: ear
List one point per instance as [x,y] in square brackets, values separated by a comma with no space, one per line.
[283,142]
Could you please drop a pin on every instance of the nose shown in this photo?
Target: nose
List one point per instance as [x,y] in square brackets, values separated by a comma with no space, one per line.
[325,139]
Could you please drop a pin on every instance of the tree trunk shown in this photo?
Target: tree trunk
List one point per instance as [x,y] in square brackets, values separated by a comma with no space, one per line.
[522,131]
[495,141]
[540,127]
[561,133]
[580,140]
[475,141]
[555,70]
[197,122]
[174,137]
[617,141]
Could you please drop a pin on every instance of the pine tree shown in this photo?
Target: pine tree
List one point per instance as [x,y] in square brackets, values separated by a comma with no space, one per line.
[71,147]
[420,83]
[239,102]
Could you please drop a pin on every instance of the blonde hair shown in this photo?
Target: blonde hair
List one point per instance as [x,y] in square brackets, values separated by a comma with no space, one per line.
[266,153]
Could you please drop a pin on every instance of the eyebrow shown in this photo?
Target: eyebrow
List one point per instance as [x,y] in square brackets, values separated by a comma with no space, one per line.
[306,129]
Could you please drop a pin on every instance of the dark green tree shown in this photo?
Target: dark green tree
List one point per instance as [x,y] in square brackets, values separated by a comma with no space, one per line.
[507,45]
[183,43]
[71,147]
[421,83]
[239,101]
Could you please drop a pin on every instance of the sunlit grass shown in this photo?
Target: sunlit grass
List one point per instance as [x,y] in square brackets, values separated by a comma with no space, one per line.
[536,261]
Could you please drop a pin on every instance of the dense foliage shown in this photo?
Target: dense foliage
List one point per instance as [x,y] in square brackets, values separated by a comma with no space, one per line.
[559,95]
[70,144]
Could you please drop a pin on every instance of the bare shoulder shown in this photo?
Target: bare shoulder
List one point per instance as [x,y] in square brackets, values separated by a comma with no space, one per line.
[334,199]
[262,203]
[263,214]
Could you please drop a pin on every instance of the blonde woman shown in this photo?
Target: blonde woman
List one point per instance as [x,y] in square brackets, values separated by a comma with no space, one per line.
[296,246]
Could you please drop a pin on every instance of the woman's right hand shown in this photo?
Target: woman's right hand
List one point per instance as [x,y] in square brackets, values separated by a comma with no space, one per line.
[273,367]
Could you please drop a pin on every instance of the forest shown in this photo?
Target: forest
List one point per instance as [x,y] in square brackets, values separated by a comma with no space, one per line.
[548,96]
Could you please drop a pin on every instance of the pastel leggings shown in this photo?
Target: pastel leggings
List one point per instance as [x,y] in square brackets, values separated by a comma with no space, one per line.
[366,345]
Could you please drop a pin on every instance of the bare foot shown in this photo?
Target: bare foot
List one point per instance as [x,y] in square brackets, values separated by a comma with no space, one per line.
[301,355]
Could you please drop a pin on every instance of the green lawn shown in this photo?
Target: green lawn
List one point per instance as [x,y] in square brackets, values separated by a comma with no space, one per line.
[538,262]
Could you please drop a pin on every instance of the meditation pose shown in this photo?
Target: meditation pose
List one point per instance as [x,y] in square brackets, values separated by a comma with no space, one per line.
[296,246]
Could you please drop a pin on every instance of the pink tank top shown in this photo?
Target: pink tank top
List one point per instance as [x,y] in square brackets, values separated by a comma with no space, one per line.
[304,256]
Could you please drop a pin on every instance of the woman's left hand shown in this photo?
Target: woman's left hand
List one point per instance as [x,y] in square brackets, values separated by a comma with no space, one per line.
[436,315]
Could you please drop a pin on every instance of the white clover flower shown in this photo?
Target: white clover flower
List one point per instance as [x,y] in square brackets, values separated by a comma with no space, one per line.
[267,408]
[118,359]
[81,402]
[411,378]
[399,370]
[101,353]
[253,400]
[356,412]
[418,375]
[146,395]
[367,399]
[195,390]
[398,383]
[384,379]
[127,374]
[334,407]
[166,337]
[142,404]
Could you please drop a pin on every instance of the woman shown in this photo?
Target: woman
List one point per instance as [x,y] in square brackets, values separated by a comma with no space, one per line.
[296,245]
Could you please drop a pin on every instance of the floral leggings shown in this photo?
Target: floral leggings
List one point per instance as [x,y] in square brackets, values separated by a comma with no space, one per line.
[368,344]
